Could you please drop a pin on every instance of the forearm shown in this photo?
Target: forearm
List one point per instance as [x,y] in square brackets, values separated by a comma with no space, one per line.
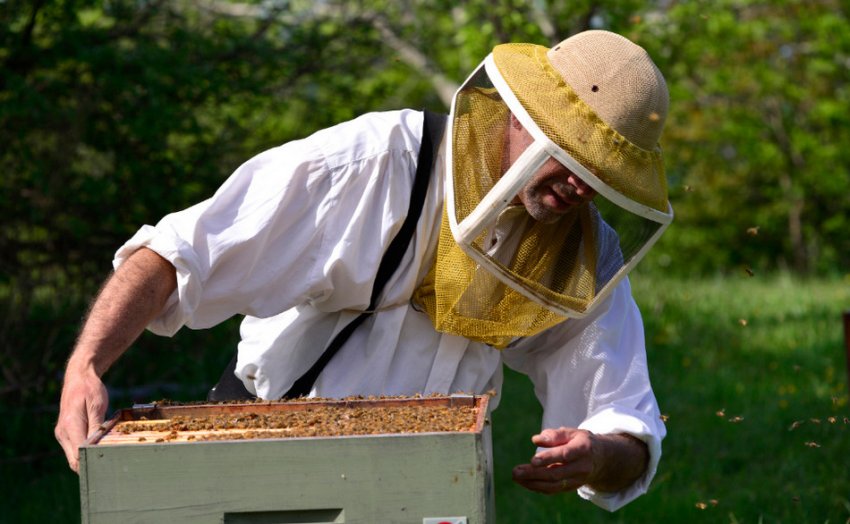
[129,300]
[618,461]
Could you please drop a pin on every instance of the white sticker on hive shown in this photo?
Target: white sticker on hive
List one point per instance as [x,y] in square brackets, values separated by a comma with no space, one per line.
[444,520]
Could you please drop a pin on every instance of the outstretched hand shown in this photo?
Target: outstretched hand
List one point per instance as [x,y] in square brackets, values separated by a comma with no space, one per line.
[81,411]
[572,458]
[565,464]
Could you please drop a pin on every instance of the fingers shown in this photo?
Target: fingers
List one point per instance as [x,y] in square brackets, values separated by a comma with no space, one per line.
[553,437]
[81,412]
[562,445]
[67,436]
[549,480]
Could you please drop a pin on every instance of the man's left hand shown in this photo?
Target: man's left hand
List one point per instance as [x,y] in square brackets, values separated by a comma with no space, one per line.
[572,458]
[565,464]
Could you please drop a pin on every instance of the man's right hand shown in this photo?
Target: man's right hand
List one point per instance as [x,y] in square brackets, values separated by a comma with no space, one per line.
[129,300]
[81,410]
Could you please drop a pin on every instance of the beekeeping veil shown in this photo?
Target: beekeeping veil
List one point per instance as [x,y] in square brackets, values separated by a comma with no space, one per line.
[595,104]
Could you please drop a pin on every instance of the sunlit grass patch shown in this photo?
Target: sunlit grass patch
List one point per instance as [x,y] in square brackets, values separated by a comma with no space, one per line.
[757,412]
[750,374]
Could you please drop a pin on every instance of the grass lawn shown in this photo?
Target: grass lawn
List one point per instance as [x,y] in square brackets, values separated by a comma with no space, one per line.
[750,373]
[752,377]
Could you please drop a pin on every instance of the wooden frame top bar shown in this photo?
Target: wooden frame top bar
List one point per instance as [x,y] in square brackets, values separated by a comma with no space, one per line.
[163,411]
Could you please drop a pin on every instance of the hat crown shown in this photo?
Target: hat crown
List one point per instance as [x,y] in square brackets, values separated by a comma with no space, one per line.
[618,80]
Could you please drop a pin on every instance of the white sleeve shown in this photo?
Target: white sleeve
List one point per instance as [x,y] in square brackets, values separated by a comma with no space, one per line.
[591,373]
[305,222]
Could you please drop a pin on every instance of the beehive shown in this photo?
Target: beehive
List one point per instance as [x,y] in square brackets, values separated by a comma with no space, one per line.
[418,460]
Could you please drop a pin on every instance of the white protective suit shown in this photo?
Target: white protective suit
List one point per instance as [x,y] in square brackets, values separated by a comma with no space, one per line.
[293,240]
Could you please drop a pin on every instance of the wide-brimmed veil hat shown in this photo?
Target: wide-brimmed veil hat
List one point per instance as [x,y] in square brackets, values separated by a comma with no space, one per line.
[595,103]
[599,97]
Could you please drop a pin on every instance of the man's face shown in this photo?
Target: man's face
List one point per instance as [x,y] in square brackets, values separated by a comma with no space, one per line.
[553,190]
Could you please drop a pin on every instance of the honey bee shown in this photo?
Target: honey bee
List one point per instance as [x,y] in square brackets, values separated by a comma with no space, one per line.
[812,444]
[753,231]
[736,419]
[664,418]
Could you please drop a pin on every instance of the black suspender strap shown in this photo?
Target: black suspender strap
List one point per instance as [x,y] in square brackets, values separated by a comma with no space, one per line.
[231,388]
[393,255]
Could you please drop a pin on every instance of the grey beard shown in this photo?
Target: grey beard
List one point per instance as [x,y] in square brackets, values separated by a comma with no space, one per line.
[538,211]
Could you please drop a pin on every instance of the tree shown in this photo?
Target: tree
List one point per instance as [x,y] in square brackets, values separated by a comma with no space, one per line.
[115,113]
[759,110]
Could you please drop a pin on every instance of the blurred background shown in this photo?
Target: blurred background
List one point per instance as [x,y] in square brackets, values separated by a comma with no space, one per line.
[115,113]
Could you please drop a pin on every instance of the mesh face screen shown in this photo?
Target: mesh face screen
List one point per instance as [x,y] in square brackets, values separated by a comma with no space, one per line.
[631,231]
[478,136]
[636,173]
[519,275]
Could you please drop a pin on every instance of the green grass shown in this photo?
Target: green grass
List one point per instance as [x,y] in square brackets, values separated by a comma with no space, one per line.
[767,350]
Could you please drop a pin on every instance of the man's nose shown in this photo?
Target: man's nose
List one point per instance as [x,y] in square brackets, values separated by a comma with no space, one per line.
[582,189]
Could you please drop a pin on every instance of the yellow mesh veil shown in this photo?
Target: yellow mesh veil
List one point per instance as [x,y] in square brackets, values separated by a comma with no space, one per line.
[626,168]
[510,275]
[556,260]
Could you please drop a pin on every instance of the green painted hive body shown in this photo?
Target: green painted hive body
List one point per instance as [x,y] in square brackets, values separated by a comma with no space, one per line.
[383,478]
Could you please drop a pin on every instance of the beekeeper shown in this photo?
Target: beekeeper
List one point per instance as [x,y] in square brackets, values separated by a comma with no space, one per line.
[547,187]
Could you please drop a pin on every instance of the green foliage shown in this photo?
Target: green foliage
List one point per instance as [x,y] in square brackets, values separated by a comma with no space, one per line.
[759,107]
[113,114]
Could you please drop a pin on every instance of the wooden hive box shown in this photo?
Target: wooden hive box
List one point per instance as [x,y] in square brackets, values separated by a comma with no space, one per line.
[252,464]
